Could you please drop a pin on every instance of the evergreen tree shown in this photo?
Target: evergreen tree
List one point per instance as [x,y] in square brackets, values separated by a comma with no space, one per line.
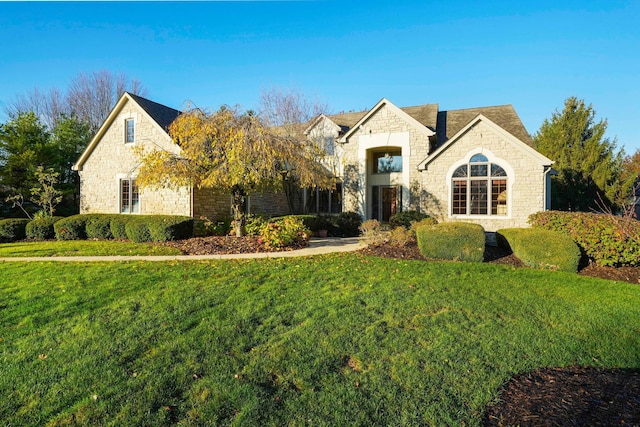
[587,162]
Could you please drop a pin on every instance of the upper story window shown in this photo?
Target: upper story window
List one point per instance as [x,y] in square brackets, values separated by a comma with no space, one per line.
[387,162]
[130,131]
[479,188]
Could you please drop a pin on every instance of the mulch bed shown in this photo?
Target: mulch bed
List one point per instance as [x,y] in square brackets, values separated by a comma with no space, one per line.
[574,396]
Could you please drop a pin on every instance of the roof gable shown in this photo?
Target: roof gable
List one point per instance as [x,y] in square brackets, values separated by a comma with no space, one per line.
[451,122]
[516,142]
[418,114]
[161,115]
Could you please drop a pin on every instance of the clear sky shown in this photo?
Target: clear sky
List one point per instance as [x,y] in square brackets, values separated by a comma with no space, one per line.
[459,54]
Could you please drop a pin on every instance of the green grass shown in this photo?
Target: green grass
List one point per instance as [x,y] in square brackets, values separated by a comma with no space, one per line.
[82,248]
[332,340]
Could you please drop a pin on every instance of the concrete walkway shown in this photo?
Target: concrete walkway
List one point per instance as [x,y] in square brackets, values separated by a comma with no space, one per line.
[317,246]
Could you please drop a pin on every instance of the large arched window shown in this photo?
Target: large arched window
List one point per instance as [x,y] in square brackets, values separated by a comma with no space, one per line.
[479,188]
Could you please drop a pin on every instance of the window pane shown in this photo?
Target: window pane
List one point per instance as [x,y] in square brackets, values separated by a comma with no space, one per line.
[336,199]
[130,131]
[135,198]
[387,162]
[312,200]
[497,170]
[375,199]
[499,197]
[479,197]
[477,158]
[461,172]
[323,201]
[125,196]
[479,170]
[459,204]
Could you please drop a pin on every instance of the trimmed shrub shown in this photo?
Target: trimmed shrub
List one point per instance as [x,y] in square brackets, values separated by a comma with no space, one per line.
[606,239]
[42,228]
[13,229]
[347,224]
[542,249]
[285,231]
[98,226]
[118,226]
[452,240]
[405,218]
[71,228]
[164,228]
[137,229]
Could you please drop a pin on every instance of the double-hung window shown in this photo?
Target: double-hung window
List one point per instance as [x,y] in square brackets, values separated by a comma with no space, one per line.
[479,188]
[130,131]
[129,196]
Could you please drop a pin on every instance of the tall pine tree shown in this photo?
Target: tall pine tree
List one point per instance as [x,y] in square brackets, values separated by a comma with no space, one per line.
[587,162]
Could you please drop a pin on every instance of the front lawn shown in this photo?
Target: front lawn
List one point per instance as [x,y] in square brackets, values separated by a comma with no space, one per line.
[83,248]
[332,340]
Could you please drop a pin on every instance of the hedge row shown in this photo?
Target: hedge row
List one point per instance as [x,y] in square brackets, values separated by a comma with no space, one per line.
[137,228]
[452,240]
[13,229]
[605,239]
[540,248]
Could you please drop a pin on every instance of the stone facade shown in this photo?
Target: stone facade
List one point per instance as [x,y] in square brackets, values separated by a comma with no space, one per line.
[112,159]
[526,179]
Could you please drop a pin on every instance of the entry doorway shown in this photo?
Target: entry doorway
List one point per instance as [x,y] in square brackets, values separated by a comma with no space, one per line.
[385,201]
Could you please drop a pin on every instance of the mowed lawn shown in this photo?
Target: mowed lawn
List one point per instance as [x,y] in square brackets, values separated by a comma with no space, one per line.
[331,340]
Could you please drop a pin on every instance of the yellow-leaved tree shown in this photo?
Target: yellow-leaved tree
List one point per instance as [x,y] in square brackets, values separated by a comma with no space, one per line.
[235,152]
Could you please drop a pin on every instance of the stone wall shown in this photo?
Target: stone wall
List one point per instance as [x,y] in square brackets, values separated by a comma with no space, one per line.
[112,160]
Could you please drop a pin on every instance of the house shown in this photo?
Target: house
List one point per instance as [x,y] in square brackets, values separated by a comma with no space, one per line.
[109,165]
[476,165]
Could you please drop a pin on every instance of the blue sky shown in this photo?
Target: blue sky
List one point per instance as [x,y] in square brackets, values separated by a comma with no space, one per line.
[459,54]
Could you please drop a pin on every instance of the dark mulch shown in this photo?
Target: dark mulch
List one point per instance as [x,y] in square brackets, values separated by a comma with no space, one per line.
[575,396]
[569,397]
[224,245]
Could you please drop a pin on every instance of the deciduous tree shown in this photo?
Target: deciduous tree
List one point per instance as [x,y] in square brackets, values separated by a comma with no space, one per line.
[287,111]
[587,162]
[232,151]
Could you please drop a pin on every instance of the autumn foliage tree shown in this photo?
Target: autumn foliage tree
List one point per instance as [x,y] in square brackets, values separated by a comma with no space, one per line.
[232,151]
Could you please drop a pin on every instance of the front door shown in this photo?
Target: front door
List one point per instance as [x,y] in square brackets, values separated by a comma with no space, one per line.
[389,202]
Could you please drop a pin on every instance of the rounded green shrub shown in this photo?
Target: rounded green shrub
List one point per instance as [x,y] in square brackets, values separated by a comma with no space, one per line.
[98,226]
[452,240]
[164,228]
[137,229]
[42,228]
[405,218]
[13,229]
[71,228]
[539,248]
[118,226]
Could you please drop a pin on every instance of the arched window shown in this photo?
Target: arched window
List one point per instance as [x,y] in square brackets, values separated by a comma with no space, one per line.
[479,188]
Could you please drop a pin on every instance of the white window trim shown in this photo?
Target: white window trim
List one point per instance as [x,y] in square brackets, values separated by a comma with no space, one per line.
[491,159]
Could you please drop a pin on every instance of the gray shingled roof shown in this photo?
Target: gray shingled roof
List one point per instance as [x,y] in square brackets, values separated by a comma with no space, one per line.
[162,114]
[425,114]
[452,121]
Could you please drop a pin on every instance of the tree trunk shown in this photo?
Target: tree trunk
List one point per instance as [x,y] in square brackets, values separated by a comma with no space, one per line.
[238,200]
